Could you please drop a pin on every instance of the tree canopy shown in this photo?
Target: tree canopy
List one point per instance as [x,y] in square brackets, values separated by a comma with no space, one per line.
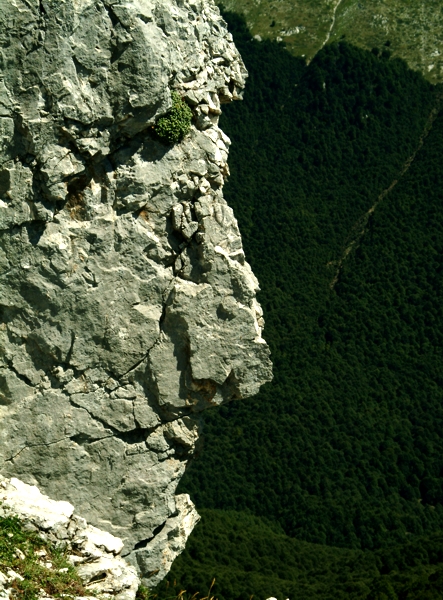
[338,193]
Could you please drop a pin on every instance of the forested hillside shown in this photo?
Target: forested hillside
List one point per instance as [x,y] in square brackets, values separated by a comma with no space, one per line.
[345,447]
[250,557]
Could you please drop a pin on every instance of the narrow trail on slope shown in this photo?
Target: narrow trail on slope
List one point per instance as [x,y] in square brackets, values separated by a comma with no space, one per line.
[359,228]
[328,35]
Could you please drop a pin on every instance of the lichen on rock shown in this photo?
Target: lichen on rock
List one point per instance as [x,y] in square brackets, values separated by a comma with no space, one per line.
[126,303]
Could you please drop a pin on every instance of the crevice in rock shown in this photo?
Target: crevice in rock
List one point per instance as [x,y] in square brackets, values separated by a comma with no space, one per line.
[80,68]
[35,230]
[71,349]
[4,182]
[75,200]
[134,436]
[82,439]
[118,46]
[79,182]
[112,16]
[144,18]
[143,543]
[8,313]
[22,378]
[118,51]
[137,364]
[114,431]
[162,26]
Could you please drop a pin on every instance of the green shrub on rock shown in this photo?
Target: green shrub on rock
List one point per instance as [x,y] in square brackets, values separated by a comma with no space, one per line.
[175,125]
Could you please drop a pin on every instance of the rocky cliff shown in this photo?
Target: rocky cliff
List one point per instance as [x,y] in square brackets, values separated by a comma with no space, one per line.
[126,304]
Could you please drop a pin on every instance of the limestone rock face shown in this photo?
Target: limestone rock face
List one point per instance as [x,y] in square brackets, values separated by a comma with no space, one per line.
[94,553]
[126,303]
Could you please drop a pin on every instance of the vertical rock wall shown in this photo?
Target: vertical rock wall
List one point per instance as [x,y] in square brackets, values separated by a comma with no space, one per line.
[126,304]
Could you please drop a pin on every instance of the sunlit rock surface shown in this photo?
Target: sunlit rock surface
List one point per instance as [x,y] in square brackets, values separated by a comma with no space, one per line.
[126,304]
[94,553]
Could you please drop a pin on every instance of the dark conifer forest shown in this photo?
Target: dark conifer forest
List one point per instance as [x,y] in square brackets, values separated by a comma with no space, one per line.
[329,483]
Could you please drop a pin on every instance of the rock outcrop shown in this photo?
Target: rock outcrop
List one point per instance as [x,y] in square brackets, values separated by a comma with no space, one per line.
[94,553]
[126,303]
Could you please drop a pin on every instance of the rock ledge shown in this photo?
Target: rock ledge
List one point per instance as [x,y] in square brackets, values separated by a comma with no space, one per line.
[95,553]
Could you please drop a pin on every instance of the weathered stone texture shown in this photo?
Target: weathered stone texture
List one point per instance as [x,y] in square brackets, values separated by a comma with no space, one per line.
[94,553]
[126,303]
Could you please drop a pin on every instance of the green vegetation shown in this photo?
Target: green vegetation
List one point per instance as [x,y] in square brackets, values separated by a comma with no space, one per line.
[411,29]
[343,451]
[176,124]
[144,593]
[248,555]
[40,565]
[174,592]
[345,447]
[302,24]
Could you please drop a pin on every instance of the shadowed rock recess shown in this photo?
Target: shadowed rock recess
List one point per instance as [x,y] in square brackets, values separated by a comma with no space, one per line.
[126,304]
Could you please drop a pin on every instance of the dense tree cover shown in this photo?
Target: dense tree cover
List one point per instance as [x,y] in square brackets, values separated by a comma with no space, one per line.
[249,556]
[345,447]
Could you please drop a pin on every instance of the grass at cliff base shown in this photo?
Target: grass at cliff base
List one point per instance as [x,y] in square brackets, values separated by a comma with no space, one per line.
[43,570]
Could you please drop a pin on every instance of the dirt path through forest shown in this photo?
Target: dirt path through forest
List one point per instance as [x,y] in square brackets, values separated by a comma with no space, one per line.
[359,228]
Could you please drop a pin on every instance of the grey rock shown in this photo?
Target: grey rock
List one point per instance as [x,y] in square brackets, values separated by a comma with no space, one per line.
[168,543]
[126,303]
[96,554]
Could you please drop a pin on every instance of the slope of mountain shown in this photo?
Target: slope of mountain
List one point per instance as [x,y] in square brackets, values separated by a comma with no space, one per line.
[344,446]
[411,30]
[250,557]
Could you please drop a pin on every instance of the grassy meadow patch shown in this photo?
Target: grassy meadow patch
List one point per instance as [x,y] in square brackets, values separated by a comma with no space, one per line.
[411,29]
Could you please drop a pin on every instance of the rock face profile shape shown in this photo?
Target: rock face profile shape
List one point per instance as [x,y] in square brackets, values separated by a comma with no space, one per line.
[126,303]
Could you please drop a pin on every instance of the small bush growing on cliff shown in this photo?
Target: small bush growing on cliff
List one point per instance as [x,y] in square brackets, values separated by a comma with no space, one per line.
[175,125]
[39,566]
